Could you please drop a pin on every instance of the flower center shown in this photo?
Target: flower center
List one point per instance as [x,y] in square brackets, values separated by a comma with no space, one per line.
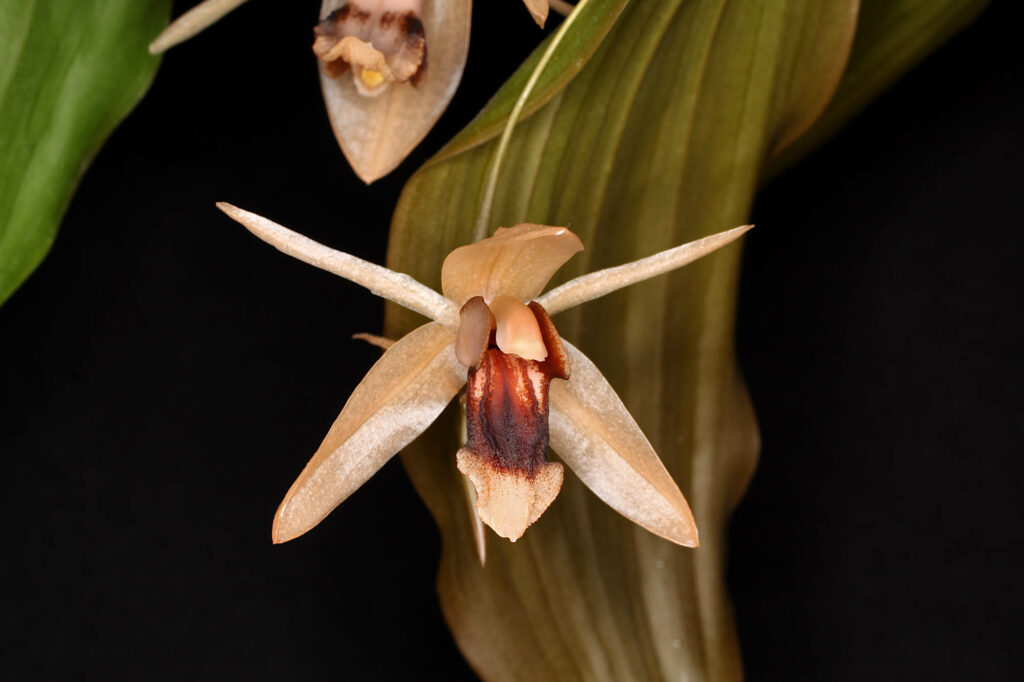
[513,352]
[381,41]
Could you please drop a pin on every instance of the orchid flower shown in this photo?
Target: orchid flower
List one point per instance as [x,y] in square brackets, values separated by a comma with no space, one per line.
[405,57]
[492,332]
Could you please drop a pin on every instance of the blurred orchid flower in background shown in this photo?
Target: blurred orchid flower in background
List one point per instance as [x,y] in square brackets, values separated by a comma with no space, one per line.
[406,58]
[488,330]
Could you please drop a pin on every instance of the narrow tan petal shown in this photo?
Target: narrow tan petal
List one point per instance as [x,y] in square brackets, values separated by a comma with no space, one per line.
[538,10]
[518,261]
[595,435]
[394,286]
[192,22]
[597,284]
[377,133]
[510,501]
[374,340]
[399,398]
[479,536]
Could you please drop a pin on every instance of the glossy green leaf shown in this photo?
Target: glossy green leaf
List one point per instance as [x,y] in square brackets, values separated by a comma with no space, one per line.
[69,72]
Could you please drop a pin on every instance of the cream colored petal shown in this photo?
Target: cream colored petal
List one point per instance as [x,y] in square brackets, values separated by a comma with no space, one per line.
[192,22]
[377,133]
[538,10]
[594,434]
[394,286]
[399,398]
[597,284]
[510,501]
[518,261]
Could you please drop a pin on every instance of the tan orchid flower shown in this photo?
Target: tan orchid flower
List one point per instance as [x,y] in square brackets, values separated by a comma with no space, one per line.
[491,331]
[388,68]
[405,57]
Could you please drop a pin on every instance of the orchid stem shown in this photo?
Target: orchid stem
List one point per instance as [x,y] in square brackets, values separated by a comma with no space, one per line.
[483,217]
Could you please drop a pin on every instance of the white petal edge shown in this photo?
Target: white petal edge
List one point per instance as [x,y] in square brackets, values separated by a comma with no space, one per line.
[377,133]
[394,286]
[597,284]
[192,22]
[594,434]
[401,395]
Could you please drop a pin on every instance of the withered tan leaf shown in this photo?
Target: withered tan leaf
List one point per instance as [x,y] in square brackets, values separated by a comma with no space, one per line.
[399,398]
[377,133]
[517,261]
[594,434]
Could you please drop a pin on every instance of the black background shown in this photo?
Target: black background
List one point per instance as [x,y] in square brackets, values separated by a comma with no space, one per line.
[165,375]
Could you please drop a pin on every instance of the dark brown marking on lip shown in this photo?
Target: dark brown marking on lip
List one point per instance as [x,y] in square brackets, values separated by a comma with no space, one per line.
[412,26]
[556,364]
[415,41]
[507,413]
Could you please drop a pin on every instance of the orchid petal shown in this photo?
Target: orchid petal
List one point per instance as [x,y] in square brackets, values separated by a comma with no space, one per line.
[594,434]
[507,500]
[394,286]
[192,22]
[399,398]
[517,261]
[377,133]
[597,284]
[538,10]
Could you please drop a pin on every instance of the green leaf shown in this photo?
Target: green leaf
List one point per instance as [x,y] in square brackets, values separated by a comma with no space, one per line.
[892,37]
[572,54]
[69,72]
[659,139]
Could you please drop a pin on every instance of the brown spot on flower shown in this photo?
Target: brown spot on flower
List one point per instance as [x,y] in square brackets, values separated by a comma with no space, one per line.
[391,48]
[505,456]
[556,364]
[507,412]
